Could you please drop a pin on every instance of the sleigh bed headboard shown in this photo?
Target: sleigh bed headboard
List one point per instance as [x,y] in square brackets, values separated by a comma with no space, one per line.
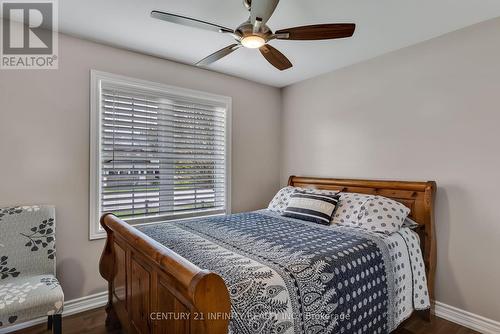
[418,196]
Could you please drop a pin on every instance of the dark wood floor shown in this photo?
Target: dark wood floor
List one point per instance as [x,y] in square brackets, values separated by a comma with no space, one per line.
[92,322]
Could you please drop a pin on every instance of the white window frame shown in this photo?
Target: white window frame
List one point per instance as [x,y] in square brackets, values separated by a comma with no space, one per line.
[96,80]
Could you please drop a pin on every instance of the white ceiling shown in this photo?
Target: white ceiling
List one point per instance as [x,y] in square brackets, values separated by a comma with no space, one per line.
[382,26]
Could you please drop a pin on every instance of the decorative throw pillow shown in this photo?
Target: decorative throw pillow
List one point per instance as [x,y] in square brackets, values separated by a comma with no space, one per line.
[382,214]
[313,207]
[349,208]
[377,214]
[281,200]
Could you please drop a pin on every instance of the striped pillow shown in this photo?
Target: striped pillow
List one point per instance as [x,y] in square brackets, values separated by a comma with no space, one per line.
[313,207]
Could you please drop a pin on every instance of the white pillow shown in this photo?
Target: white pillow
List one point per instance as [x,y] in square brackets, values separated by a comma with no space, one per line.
[348,208]
[281,200]
[384,215]
[370,212]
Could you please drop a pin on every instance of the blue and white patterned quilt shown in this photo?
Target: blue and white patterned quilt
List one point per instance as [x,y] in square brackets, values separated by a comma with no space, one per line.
[290,276]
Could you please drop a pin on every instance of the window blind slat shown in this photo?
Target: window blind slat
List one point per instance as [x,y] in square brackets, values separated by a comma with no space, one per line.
[137,136]
[156,183]
[142,140]
[125,122]
[151,171]
[154,102]
[120,156]
[163,188]
[161,112]
[152,130]
[171,207]
[120,159]
[176,206]
[188,146]
[144,115]
[173,131]
[161,149]
[178,213]
[110,111]
[180,176]
[112,200]
[152,177]
[176,203]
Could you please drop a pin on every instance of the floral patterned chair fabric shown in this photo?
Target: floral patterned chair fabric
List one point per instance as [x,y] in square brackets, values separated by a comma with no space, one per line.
[28,287]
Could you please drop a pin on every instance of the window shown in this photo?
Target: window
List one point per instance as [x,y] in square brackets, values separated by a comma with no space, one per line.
[157,152]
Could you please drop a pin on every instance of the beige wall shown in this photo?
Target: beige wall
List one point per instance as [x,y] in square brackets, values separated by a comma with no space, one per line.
[427,112]
[44,142]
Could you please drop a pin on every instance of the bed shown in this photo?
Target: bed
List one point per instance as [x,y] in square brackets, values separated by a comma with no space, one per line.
[258,272]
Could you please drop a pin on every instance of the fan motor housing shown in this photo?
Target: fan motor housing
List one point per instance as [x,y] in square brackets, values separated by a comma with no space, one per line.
[247,29]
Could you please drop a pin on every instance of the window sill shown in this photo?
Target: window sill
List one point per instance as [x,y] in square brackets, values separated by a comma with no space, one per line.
[101,233]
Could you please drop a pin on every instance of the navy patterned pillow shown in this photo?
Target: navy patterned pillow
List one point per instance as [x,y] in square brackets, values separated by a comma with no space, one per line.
[313,207]
[281,200]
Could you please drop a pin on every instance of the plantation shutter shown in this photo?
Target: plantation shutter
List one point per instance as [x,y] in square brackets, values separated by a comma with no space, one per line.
[161,156]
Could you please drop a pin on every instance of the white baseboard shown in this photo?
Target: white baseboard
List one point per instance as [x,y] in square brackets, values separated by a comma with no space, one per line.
[71,307]
[466,319]
[450,313]
[85,303]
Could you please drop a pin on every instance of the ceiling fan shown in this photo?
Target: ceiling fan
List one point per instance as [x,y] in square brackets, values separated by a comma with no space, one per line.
[255,34]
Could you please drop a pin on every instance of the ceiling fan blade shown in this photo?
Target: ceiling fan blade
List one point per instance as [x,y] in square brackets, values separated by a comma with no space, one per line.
[218,55]
[317,32]
[188,21]
[262,10]
[276,58]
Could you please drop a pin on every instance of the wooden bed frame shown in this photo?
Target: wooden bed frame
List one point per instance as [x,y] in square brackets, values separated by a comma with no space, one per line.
[151,289]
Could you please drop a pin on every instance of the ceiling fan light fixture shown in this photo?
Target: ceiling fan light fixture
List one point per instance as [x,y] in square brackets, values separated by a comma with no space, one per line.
[253,42]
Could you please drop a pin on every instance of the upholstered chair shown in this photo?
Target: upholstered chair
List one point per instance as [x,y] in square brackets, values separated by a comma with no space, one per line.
[28,286]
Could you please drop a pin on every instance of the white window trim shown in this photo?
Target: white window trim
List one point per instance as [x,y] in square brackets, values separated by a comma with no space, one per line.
[96,78]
